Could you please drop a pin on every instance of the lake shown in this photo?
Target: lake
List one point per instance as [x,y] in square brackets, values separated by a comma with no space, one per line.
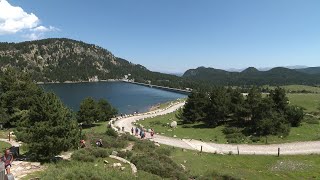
[126,97]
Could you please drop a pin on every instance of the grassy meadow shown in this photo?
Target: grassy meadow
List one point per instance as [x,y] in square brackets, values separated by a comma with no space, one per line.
[249,167]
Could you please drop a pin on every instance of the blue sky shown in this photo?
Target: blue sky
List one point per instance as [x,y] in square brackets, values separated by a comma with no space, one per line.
[175,35]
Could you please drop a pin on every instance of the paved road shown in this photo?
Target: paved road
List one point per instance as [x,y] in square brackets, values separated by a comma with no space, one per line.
[308,147]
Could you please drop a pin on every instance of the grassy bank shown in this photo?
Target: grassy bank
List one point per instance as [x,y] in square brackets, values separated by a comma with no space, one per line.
[308,131]
[249,167]
[310,102]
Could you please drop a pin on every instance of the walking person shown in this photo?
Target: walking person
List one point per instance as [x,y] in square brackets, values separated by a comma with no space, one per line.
[137,131]
[132,130]
[152,133]
[7,158]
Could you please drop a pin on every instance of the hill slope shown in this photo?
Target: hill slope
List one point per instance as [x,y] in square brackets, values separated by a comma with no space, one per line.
[251,76]
[60,60]
[310,70]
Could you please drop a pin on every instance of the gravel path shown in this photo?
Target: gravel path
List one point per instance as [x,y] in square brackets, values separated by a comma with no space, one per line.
[308,147]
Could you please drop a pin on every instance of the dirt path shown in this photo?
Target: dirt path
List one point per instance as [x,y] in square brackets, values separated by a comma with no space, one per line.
[309,147]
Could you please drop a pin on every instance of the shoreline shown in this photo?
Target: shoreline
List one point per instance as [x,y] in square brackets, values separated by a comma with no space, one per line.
[77,82]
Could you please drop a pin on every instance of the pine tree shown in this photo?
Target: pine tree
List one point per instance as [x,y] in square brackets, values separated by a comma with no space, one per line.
[105,110]
[88,113]
[48,128]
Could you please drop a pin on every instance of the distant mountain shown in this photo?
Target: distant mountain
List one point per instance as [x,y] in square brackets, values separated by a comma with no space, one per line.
[61,60]
[251,76]
[310,70]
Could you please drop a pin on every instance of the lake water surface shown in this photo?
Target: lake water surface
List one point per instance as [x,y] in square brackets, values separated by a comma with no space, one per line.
[126,97]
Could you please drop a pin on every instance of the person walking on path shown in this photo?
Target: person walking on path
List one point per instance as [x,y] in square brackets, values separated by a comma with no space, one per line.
[137,131]
[7,158]
[132,130]
[152,133]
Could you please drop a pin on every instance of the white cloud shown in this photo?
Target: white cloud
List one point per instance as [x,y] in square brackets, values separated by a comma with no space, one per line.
[45,29]
[14,19]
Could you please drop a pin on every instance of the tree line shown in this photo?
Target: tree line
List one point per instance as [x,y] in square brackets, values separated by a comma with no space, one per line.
[45,125]
[256,114]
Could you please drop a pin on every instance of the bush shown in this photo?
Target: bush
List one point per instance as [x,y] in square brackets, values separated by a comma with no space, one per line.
[144,146]
[255,138]
[90,154]
[125,154]
[109,141]
[160,165]
[111,132]
[85,170]
[100,152]
[163,151]
[231,130]
[234,135]
[83,155]
[128,137]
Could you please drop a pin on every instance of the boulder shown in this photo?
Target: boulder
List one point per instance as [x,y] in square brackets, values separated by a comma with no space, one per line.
[116,165]
[114,153]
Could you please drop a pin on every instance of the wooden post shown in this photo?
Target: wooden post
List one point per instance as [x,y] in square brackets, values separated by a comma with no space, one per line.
[238,150]
[278,152]
[201,149]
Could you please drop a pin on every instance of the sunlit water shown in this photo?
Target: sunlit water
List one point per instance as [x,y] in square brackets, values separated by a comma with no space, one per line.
[126,97]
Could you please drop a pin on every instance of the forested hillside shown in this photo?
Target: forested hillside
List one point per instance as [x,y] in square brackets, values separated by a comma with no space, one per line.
[60,60]
[252,76]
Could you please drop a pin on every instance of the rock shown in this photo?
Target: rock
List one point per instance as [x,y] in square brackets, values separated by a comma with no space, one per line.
[185,161]
[157,144]
[122,168]
[106,162]
[174,136]
[174,124]
[183,167]
[116,165]
[95,165]
[114,153]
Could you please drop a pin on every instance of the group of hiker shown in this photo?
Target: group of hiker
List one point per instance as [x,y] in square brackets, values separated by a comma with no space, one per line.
[98,143]
[141,132]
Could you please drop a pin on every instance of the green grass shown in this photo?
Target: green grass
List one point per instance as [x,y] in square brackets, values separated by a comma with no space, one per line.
[4,145]
[100,128]
[4,133]
[306,132]
[159,124]
[250,167]
[80,170]
[308,101]
[312,89]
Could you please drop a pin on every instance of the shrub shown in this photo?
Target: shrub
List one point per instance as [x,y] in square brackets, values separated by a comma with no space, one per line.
[100,152]
[163,151]
[231,130]
[125,154]
[90,154]
[144,146]
[128,137]
[85,170]
[160,165]
[255,138]
[111,132]
[83,155]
